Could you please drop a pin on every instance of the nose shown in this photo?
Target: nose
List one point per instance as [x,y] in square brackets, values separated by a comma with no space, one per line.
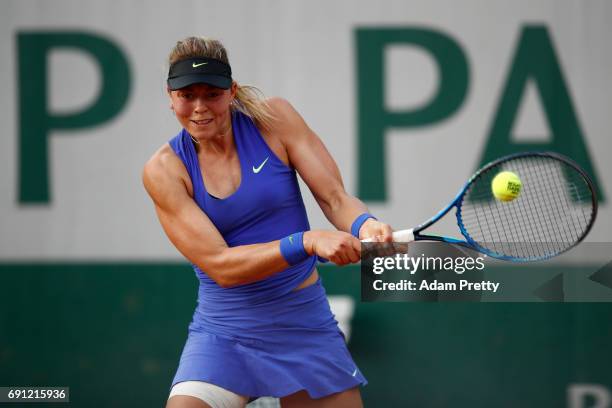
[200,105]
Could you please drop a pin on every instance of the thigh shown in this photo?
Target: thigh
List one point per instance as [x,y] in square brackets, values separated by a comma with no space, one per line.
[199,394]
[345,399]
[186,401]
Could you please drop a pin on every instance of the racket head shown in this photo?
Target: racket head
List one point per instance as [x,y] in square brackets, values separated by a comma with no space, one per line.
[554,211]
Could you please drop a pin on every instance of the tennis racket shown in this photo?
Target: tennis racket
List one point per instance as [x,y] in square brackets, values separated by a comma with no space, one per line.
[554,211]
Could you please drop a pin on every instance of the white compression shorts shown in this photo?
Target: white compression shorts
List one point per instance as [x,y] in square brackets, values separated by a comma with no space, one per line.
[211,394]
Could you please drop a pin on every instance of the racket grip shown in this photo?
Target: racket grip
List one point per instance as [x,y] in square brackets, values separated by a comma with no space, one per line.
[398,236]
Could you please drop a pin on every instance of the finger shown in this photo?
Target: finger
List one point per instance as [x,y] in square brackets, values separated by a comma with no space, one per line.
[356,245]
[353,254]
[346,258]
[339,257]
[335,259]
[387,233]
[401,247]
[391,248]
[353,251]
[387,248]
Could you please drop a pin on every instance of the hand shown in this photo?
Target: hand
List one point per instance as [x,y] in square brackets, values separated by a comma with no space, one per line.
[339,247]
[378,231]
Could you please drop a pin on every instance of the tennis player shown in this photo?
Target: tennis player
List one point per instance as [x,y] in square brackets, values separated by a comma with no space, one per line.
[226,193]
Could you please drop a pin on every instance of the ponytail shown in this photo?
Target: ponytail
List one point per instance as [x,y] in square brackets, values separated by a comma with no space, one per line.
[249,100]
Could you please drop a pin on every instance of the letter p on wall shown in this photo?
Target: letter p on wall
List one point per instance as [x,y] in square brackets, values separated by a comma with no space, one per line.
[372,115]
[36,121]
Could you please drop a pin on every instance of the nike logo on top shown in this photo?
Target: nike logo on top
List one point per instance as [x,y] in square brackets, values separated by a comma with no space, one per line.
[258,169]
[193,64]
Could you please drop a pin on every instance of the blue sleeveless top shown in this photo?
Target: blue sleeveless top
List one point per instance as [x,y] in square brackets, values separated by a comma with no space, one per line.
[263,338]
[267,206]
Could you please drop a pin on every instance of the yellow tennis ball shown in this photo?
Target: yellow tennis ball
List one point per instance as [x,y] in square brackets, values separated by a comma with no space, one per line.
[506,186]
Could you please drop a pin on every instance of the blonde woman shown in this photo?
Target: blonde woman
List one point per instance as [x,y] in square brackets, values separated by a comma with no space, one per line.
[226,193]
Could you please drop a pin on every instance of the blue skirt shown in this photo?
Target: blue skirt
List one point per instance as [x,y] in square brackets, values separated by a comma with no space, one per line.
[274,348]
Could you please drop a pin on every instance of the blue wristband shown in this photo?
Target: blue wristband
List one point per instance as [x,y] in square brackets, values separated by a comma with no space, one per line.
[292,248]
[359,222]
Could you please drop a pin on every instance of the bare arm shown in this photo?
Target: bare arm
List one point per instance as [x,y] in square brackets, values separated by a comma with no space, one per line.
[312,160]
[196,237]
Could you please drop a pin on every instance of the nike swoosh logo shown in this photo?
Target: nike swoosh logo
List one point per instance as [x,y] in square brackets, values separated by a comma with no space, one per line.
[258,169]
[354,373]
[198,65]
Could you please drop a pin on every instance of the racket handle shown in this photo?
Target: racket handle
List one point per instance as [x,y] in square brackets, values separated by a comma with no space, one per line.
[398,236]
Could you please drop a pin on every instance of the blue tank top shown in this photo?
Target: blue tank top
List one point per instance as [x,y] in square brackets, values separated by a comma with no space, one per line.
[267,206]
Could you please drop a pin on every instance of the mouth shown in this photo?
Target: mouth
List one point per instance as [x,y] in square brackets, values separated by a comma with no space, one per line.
[203,122]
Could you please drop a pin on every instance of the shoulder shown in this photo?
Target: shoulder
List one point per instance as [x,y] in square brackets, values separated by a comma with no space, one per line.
[162,170]
[164,162]
[282,110]
[286,122]
[276,103]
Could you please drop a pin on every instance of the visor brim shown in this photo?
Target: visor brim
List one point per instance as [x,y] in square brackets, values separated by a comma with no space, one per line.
[218,81]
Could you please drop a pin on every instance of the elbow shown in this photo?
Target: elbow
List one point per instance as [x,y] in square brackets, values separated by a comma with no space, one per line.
[225,282]
[218,268]
[221,277]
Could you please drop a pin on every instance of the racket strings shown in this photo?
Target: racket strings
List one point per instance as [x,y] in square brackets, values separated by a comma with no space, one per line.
[539,243]
[559,210]
[549,227]
[562,207]
[546,215]
[572,230]
[505,237]
[530,250]
[553,211]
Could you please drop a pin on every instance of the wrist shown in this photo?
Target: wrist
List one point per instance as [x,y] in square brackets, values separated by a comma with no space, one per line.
[308,240]
[292,248]
[358,223]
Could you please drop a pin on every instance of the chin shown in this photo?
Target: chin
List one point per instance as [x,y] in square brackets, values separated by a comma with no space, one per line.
[200,134]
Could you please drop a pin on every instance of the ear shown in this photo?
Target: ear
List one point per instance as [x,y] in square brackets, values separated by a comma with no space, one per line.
[234,89]
[169,91]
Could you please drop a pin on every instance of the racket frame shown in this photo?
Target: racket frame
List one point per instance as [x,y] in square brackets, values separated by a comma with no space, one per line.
[414,234]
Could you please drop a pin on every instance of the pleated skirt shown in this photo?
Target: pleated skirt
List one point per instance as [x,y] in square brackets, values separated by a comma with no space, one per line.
[274,348]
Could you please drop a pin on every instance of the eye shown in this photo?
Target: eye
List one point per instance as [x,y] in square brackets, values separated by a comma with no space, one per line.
[185,95]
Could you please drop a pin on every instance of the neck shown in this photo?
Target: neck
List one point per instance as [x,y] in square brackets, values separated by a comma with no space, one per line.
[221,143]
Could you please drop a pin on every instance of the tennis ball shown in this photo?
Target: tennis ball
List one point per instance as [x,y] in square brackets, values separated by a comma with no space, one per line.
[506,186]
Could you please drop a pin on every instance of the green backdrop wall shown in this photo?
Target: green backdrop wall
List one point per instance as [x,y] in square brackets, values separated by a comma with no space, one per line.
[113,333]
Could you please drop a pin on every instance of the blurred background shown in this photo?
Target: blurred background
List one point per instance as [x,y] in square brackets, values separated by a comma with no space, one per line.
[409,96]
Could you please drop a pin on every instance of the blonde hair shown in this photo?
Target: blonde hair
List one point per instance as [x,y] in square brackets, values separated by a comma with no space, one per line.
[249,100]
